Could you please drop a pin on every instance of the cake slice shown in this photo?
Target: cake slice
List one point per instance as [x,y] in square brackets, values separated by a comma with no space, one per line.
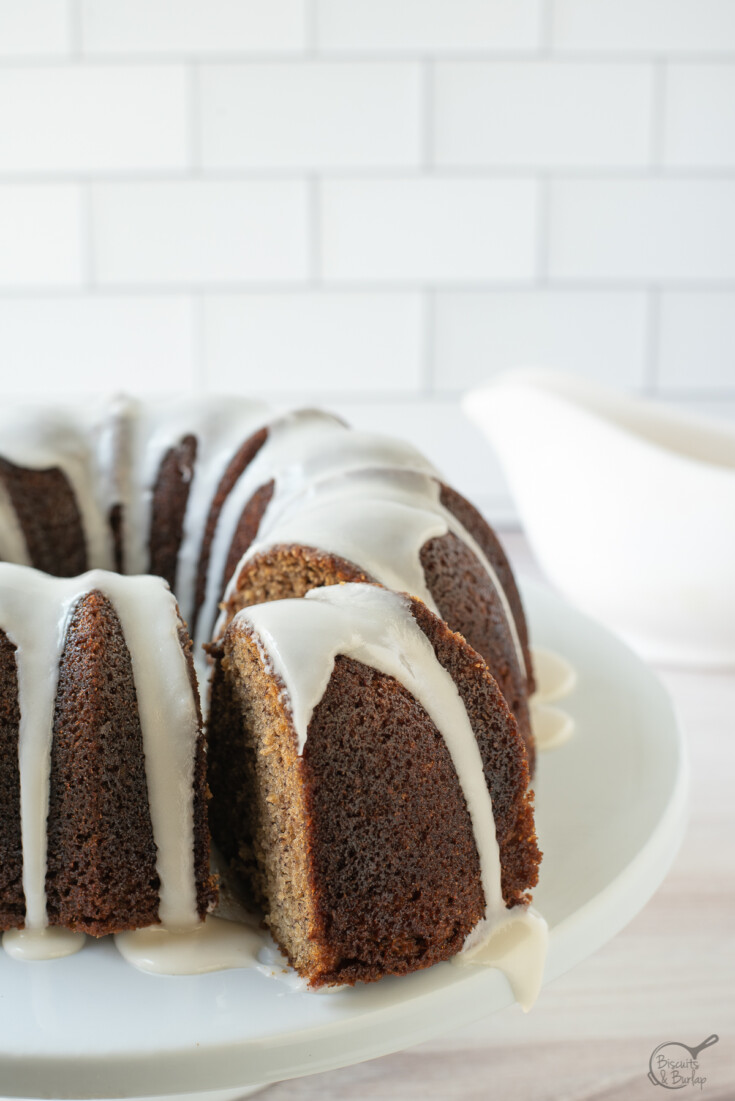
[103,821]
[370,787]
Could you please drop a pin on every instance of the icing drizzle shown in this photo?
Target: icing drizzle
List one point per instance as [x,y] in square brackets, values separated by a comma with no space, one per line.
[303,450]
[35,611]
[555,679]
[367,498]
[299,641]
[352,493]
[378,517]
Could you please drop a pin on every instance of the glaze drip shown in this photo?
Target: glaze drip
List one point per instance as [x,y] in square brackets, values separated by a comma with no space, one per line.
[555,679]
[35,610]
[299,641]
[378,518]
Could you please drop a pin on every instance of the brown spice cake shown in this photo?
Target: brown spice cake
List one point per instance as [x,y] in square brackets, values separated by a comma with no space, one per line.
[160,496]
[457,581]
[101,856]
[12,904]
[361,851]
[168,508]
[48,514]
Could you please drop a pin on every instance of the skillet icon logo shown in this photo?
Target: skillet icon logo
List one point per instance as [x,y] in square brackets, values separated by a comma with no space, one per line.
[674,1065]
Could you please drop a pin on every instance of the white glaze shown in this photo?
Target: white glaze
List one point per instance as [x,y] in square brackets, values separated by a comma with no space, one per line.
[351,493]
[35,610]
[369,499]
[42,437]
[555,679]
[212,945]
[555,676]
[551,726]
[151,430]
[383,537]
[302,449]
[516,945]
[51,943]
[378,519]
[217,944]
[299,641]
[111,455]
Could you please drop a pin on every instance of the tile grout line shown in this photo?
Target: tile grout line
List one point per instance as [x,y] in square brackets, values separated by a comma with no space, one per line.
[386,174]
[76,37]
[303,55]
[311,30]
[560,287]
[546,38]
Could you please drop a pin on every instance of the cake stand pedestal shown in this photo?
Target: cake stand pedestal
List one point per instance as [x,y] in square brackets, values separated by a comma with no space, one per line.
[611,807]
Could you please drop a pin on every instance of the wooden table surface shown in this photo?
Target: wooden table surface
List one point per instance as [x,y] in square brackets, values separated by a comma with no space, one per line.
[670,975]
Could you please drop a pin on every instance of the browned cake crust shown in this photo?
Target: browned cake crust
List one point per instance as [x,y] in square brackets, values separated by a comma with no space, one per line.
[504,755]
[101,866]
[476,524]
[456,579]
[468,601]
[235,468]
[168,508]
[289,570]
[206,884]
[245,533]
[246,530]
[49,518]
[115,520]
[12,899]
[383,873]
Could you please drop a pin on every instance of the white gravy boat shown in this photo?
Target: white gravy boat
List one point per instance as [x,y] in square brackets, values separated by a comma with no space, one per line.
[629,507]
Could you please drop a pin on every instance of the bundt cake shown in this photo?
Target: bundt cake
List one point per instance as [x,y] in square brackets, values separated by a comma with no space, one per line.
[103,826]
[103,820]
[402,529]
[185,488]
[370,787]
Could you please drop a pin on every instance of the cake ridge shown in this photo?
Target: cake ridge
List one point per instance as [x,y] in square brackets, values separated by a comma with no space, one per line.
[224,501]
[304,654]
[35,611]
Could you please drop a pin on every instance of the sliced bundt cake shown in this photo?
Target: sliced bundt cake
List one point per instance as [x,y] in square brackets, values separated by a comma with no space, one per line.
[185,487]
[370,787]
[103,820]
[409,532]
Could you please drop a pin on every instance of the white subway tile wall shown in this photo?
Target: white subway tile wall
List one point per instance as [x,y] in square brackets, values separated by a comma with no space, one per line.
[284,343]
[411,229]
[199,232]
[41,240]
[374,204]
[543,114]
[87,119]
[326,115]
[35,28]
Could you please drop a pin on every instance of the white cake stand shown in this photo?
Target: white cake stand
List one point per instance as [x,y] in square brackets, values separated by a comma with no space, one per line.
[610,817]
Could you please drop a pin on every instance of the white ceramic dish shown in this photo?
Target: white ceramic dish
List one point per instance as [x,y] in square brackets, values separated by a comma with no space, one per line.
[629,506]
[611,811]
